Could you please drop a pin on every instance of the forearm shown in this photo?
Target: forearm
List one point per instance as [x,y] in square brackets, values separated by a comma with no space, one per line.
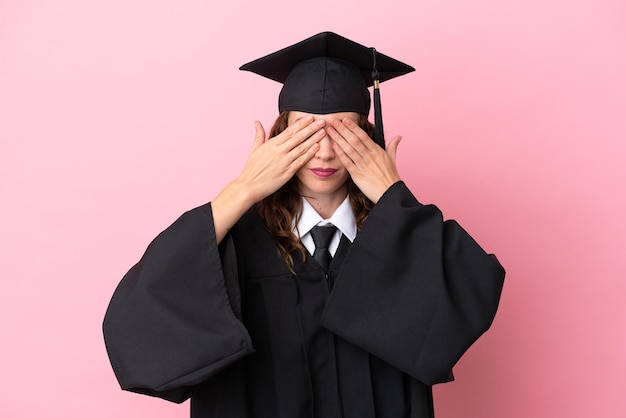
[174,320]
[425,290]
[230,205]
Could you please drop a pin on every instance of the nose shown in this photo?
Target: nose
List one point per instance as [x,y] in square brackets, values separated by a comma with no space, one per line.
[326,152]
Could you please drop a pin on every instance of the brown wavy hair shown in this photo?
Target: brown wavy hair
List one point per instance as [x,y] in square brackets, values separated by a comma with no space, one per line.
[282,209]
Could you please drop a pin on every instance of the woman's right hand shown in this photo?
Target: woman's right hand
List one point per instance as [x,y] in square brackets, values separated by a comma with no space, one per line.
[270,165]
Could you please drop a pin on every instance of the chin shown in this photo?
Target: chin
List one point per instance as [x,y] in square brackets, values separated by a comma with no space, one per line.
[327,190]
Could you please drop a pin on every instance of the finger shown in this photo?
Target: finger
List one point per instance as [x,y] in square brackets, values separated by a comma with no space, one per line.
[305,146]
[259,136]
[347,147]
[359,133]
[301,160]
[392,147]
[345,152]
[314,130]
[293,129]
[344,157]
[345,136]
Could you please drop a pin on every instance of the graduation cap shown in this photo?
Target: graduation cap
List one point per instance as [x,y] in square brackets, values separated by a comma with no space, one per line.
[328,73]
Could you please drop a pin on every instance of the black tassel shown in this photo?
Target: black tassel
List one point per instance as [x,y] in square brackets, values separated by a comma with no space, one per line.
[379,136]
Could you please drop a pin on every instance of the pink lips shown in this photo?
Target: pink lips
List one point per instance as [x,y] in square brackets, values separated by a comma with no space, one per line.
[323,172]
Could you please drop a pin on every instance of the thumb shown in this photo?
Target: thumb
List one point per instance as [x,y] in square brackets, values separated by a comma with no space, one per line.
[259,136]
[392,147]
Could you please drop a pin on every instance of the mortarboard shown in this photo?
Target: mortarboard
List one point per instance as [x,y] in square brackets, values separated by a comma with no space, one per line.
[328,73]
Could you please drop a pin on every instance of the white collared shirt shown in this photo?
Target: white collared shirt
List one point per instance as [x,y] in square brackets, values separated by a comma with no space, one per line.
[343,219]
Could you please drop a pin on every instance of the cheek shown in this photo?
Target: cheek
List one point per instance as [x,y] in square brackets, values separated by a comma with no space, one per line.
[300,174]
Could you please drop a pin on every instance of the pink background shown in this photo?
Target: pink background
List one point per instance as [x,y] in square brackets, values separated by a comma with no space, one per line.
[116,116]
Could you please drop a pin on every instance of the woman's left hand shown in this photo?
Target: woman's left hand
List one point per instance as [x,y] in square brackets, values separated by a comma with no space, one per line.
[372,168]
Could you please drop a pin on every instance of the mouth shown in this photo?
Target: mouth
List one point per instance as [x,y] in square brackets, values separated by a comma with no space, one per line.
[323,172]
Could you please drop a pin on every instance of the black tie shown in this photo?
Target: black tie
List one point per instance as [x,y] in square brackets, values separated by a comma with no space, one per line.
[322,235]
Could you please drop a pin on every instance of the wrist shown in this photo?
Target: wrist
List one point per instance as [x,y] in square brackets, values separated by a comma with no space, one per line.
[241,194]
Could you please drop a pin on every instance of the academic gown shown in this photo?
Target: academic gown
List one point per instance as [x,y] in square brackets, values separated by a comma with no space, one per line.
[231,327]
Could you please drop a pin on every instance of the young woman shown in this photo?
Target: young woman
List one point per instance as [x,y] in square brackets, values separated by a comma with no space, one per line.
[241,306]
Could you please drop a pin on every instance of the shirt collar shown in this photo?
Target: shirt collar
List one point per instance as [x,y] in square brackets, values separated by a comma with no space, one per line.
[343,219]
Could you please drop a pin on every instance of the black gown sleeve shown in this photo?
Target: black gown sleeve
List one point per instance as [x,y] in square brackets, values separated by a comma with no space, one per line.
[415,291]
[174,319]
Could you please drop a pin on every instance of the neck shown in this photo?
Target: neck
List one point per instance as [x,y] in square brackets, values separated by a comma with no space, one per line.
[326,205]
